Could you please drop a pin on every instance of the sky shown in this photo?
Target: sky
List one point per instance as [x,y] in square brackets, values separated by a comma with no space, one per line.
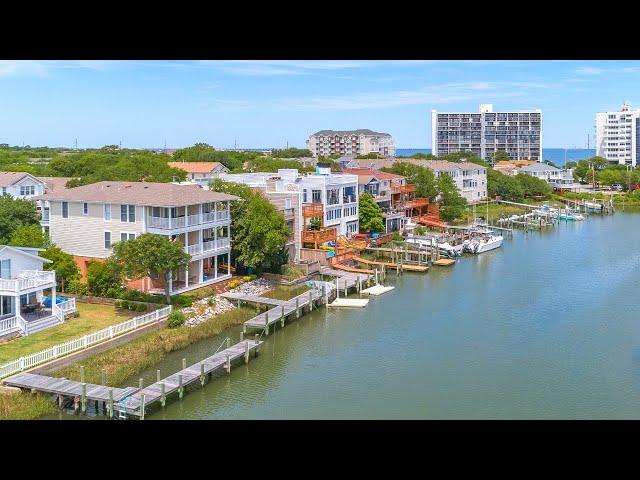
[269,104]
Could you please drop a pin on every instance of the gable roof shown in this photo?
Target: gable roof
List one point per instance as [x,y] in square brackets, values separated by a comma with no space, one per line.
[539,167]
[54,183]
[195,167]
[364,173]
[11,178]
[26,251]
[138,193]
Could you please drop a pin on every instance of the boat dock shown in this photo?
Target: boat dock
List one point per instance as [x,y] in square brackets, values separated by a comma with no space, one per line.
[133,401]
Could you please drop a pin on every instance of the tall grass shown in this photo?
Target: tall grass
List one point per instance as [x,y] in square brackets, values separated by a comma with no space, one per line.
[283,292]
[25,406]
[125,361]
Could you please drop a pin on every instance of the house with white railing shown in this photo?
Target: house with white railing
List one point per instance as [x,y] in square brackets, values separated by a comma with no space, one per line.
[28,301]
[87,221]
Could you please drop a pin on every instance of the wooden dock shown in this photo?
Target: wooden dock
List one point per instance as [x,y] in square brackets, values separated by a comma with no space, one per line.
[200,371]
[67,388]
[347,268]
[444,262]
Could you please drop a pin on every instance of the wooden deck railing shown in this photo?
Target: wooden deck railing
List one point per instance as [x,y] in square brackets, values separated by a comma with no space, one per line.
[310,210]
[317,237]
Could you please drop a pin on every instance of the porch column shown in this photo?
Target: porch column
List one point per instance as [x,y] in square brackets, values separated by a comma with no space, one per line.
[16,307]
[169,217]
[215,266]
[201,267]
[229,263]
[53,297]
[201,219]
[228,209]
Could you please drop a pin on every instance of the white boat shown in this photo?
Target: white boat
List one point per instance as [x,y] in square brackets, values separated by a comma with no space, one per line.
[570,215]
[482,244]
[454,251]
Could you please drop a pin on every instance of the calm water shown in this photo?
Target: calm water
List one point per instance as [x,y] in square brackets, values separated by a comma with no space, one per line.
[556,155]
[546,327]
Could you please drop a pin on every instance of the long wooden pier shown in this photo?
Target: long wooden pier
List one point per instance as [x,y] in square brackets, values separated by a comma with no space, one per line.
[131,400]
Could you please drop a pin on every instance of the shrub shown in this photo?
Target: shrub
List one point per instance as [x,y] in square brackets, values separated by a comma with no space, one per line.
[291,272]
[78,287]
[175,319]
[420,230]
[141,307]
[211,302]
[181,301]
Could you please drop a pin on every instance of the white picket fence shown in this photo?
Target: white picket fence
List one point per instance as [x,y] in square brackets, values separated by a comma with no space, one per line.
[71,346]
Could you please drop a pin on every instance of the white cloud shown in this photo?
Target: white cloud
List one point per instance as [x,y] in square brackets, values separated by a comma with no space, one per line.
[433,95]
[22,67]
[590,71]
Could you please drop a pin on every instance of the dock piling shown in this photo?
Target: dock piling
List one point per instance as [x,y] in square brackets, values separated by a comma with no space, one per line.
[140,384]
[180,386]
[202,376]
[163,396]
[228,366]
[255,350]
[142,407]
[184,363]
[297,307]
[81,373]
[158,375]
[282,317]
[110,404]
[246,352]
[83,399]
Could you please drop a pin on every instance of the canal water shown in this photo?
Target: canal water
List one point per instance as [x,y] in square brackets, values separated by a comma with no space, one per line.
[546,327]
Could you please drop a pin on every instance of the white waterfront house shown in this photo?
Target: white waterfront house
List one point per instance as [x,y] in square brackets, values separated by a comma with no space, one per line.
[335,196]
[558,179]
[23,282]
[618,136]
[86,221]
[20,185]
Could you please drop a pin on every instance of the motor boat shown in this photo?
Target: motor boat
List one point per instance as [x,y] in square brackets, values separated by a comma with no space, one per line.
[482,243]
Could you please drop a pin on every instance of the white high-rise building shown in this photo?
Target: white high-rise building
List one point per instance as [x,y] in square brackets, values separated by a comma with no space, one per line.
[618,136]
[486,132]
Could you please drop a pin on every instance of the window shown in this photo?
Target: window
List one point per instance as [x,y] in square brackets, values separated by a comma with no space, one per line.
[85,208]
[332,196]
[107,240]
[65,210]
[316,196]
[304,196]
[5,268]
[107,212]
[124,236]
[128,213]
[287,203]
[27,190]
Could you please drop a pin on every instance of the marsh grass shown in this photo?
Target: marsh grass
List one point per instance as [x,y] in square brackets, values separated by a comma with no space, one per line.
[25,406]
[283,292]
[125,361]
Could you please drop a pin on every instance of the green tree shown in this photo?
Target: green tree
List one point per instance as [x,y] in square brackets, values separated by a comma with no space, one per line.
[533,186]
[201,152]
[369,156]
[15,213]
[29,236]
[500,155]
[423,156]
[571,165]
[104,278]
[505,186]
[291,153]
[370,217]
[148,254]
[452,204]
[463,155]
[610,176]
[66,269]
[259,231]
[599,163]
[423,178]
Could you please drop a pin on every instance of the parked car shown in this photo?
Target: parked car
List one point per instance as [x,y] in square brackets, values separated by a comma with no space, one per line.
[617,186]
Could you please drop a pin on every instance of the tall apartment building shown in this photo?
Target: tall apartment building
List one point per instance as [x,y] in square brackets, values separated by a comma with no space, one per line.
[351,142]
[618,136]
[486,132]
[86,221]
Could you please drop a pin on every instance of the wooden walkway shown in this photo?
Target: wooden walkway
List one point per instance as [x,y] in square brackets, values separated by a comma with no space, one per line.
[347,268]
[67,388]
[199,371]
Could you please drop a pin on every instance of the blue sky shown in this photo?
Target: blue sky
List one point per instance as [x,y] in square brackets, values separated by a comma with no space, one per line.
[269,103]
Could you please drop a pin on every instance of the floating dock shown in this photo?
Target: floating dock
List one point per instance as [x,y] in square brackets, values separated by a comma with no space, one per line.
[349,303]
[444,262]
[377,290]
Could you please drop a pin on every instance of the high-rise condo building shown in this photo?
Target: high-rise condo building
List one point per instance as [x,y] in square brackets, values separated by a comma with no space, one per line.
[486,132]
[618,136]
[351,142]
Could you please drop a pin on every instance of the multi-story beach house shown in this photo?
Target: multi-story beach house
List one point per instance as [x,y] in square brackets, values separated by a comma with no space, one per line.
[86,221]
[470,178]
[24,307]
[282,190]
[618,136]
[351,142]
[201,173]
[20,185]
[483,133]
[390,191]
[329,198]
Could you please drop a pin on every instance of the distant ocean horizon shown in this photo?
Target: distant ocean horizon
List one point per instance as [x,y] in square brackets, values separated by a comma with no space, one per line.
[556,155]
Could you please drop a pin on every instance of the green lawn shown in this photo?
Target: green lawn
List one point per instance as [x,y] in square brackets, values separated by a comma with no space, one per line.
[92,317]
[283,292]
